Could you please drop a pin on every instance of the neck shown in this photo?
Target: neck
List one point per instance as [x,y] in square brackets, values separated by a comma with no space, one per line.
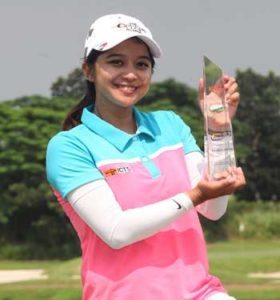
[121,118]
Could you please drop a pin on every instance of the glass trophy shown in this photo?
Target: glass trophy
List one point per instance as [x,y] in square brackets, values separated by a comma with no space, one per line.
[218,136]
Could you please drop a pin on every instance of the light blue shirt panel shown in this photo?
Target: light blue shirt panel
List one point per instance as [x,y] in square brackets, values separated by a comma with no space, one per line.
[69,164]
[169,129]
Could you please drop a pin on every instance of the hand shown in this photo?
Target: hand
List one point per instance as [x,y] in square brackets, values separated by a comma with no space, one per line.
[232,95]
[225,183]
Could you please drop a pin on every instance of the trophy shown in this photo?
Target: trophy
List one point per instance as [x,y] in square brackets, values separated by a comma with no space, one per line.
[218,136]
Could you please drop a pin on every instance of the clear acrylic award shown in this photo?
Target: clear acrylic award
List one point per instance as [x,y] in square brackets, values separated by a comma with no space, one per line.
[218,135]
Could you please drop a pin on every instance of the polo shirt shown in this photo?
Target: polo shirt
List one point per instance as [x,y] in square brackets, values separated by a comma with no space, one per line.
[141,168]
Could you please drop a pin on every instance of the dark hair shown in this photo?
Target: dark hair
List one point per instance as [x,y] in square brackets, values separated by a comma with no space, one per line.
[73,118]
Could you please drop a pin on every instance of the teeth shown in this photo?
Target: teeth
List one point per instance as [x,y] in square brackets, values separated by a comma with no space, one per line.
[128,89]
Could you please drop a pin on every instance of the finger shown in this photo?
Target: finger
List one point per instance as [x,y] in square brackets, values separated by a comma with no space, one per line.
[225,183]
[233,172]
[239,170]
[233,99]
[226,78]
[241,177]
[230,171]
[232,88]
[222,175]
[228,81]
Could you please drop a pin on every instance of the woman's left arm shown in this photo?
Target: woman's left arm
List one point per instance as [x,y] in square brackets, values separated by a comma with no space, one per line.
[212,209]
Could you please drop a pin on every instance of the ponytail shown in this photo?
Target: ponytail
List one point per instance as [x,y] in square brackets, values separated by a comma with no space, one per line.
[73,118]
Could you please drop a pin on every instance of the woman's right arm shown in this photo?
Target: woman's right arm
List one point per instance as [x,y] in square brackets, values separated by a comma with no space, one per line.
[96,204]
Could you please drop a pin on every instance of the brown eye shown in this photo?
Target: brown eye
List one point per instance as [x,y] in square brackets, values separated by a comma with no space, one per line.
[116,62]
[143,65]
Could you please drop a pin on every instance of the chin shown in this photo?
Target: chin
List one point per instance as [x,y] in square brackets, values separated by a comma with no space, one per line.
[126,103]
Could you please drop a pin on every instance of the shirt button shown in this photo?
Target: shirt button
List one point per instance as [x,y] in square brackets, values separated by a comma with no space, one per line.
[135,138]
[145,158]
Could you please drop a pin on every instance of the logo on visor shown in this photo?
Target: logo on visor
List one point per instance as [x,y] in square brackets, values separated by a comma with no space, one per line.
[131,27]
[116,171]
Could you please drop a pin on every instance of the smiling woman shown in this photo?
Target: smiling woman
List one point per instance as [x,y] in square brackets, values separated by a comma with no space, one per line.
[131,182]
[121,77]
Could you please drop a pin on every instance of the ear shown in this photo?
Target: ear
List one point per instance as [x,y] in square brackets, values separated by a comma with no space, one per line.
[87,71]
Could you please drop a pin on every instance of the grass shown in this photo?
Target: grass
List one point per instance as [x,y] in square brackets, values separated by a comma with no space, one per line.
[230,261]
[41,294]
[234,261]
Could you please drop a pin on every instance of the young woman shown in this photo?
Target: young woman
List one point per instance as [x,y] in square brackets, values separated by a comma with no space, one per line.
[131,182]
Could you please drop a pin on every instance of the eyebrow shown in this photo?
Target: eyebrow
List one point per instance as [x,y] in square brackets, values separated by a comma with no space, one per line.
[122,55]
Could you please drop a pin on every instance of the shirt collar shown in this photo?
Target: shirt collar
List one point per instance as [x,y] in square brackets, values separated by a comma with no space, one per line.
[112,134]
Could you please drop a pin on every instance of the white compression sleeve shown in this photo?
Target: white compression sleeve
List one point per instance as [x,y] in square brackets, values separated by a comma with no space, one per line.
[96,204]
[212,209]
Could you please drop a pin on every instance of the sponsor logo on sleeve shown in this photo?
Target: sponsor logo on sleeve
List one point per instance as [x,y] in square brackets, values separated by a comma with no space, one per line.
[116,171]
[179,206]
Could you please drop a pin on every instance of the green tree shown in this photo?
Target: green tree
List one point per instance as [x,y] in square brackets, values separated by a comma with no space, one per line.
[257,134]
[71,86]
[178,93]
[29,214]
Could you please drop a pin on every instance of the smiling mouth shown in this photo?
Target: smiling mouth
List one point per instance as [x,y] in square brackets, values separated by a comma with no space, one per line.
[127,89]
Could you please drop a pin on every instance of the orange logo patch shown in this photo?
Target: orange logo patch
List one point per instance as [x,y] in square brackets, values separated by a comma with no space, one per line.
[116,171]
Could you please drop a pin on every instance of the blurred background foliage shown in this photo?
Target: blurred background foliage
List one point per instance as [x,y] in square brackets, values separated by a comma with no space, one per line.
[32,225]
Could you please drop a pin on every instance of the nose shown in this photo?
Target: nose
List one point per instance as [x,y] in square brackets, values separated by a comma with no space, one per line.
[130,73]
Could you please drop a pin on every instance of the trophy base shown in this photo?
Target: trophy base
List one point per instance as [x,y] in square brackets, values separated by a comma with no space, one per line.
[219,152]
